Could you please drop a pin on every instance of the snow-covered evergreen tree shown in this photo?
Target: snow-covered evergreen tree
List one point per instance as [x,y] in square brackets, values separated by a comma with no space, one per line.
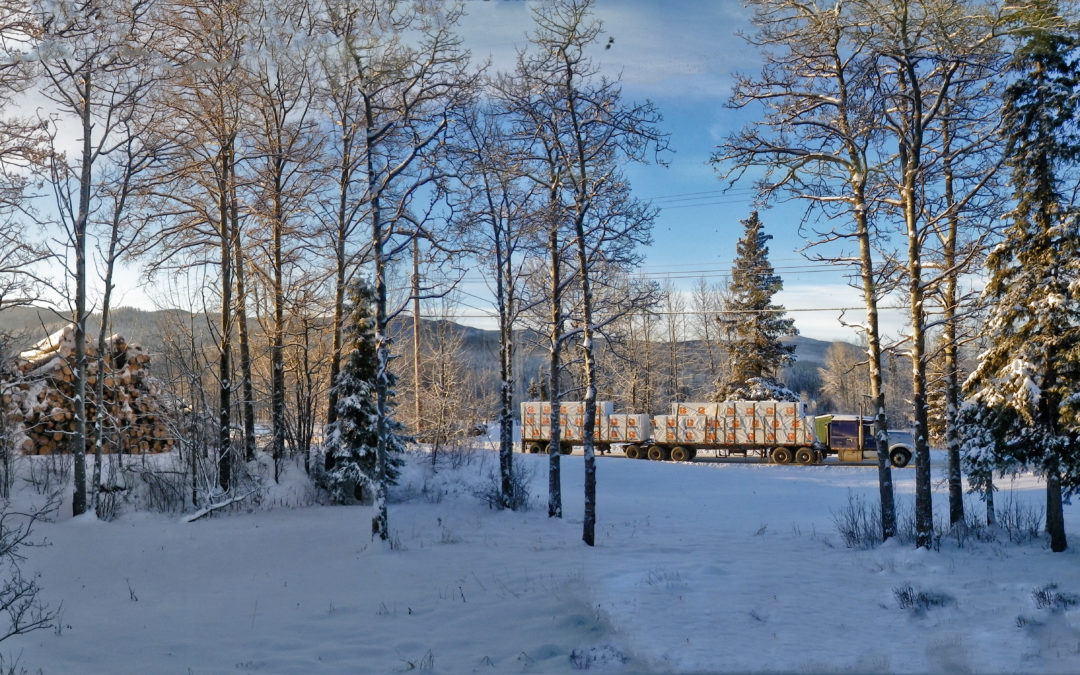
[351,469]
[752,322]
[1024,409]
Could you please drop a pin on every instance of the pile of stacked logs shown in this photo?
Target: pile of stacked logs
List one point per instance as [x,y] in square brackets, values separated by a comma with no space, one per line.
[37,395]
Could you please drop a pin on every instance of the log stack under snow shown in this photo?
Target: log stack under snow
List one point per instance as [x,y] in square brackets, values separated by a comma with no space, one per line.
[37,394]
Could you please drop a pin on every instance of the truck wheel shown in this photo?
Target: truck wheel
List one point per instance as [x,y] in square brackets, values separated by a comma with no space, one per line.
[679,454]
[565,448]
[900,457]
[533,449]
[633,451]
[657,453]
[804,456]
[781,455]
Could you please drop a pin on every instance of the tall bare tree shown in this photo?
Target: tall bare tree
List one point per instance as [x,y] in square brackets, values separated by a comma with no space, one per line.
[285,147]
[675,332]
[204,97]
[23,148]
[496,196]
[926,54]
[585,130]
[91,54]
[408,71]
[816,142]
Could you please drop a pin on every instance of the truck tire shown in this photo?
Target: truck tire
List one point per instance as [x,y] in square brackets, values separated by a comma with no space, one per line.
[781,456]
[804,456]
[533,449]
[900,457]
[633,451]
[565,448]
[657,453]
[680,454]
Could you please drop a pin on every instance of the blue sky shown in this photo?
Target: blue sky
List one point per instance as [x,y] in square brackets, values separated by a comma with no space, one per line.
[681,54]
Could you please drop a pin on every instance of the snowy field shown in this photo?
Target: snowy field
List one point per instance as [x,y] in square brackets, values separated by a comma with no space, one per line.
[703,567]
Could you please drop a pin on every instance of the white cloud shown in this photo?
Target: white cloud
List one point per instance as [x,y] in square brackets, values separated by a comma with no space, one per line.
[658,49]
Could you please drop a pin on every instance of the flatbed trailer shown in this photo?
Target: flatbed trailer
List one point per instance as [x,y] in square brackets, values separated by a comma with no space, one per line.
[775,431]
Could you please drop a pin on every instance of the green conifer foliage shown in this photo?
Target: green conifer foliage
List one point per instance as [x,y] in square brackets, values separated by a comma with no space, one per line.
[752,322]
[353,437]
[1024,408]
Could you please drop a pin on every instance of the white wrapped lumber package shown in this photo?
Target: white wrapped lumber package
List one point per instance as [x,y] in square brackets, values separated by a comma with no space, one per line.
[743,422]
[675,429]
[573,408]
[765,428]
[638,427]
[791,417]
[628,428]
[530,413]
[577,408]
[695,408]
[691,429]
[571,428]
[664,428]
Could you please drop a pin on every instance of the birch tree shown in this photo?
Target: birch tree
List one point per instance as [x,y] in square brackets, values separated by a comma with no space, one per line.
[925,52]
[497,197]
[285,147]
[200,206]
[23,149]
[407,72]
[815,142]
[91,54]
[585,129]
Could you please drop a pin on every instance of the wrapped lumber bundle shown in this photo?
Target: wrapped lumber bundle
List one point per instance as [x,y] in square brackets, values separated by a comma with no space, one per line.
[37,393]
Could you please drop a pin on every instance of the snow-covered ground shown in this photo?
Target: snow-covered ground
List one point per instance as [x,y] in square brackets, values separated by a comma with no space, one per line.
[703,567]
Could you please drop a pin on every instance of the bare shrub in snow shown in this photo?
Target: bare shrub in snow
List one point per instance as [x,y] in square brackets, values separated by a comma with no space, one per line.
[491,491]
[19,595]
[602,657]
[49,472]
[1021,521]
[857,523]
[921,601]
[1049,597]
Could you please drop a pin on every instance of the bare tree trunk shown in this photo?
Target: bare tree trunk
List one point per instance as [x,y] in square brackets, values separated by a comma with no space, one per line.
[277,346]
[587,439]
[247,405]
[504,291]
[952,366]
[873,349]
[339,288]
[417,408]
[78,440]
[380,522]
[225,157]
[924,514]
[104,358]
[1055,515]
[554,366]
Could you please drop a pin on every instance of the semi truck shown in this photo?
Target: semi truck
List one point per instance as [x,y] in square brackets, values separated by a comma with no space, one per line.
[777,431]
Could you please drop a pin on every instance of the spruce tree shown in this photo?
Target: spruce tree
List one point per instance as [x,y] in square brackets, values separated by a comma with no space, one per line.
[753,323]
[351,470]
[1024,409]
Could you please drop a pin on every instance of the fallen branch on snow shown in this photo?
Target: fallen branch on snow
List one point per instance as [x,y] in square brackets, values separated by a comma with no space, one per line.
[214,507]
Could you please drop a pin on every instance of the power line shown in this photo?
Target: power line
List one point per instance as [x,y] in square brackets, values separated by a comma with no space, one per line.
[493,315]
